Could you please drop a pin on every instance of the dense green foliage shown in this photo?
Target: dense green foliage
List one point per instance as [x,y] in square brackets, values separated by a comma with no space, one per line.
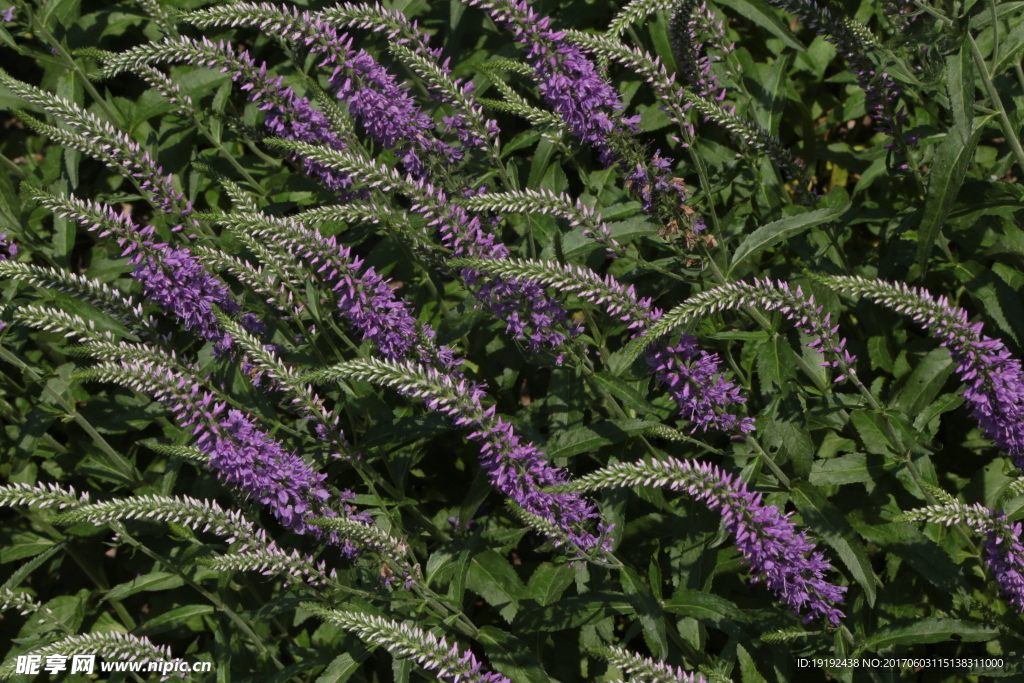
[848,461]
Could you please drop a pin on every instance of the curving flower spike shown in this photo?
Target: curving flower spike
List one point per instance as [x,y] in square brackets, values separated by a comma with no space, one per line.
[516,468]
[784,559]
[994,378]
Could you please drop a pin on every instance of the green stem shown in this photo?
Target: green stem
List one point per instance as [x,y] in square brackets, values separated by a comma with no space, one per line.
[767,459]
[995,35]
[993,95]
[242,625]
[13,167]
[86,568]
[127,470]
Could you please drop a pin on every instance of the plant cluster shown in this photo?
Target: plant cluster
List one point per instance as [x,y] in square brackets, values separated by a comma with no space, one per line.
[513,343]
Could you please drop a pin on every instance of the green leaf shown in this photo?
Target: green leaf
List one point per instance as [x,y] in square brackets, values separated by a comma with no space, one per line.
[928,630]
[511,656]
[493,578]
[870,427]
[949,167]
[829,523]
[549,581]
[983,19]
[943,404]
[960,84]
[1001,302]
[68,610]
[771,234]
[924,555]
[175,618]
[649,612]
[592,437]
[574,612]
[748,667]
[846,469]
[630,396]
[575,245]
[339,670]
[24,545]
[775,363]
[155,581]
[1009,49]
[764,16]
[19,575]
[708,609]
[925,382]
[771,92]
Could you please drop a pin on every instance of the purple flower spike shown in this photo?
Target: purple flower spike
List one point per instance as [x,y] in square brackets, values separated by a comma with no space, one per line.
[994,378]
[243,456]
[1005,554]
[568,81]
[785,560]
[518,469]
[364,297]
[174,280]
[170,276]
[531,315]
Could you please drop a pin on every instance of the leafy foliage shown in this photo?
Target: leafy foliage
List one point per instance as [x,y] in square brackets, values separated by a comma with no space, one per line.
[556,342]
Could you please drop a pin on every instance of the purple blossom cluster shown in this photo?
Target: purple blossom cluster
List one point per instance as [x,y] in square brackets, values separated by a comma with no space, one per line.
[786,561]
[568,81]
[174,280]
[1005,553]
[242,455]
[693,376]
[288,115]
[383,107]
[530,314]
[648,183]
[468,124]
[364,297]
[516,468]
[1006,559]
[170,276]
[810,320]
[693,379]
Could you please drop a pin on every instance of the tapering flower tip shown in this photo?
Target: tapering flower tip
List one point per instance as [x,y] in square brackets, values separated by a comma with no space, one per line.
[516,468]
[694,380]
[7,15]
[426,649]
[647,669]
[8,249]
[288,116]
